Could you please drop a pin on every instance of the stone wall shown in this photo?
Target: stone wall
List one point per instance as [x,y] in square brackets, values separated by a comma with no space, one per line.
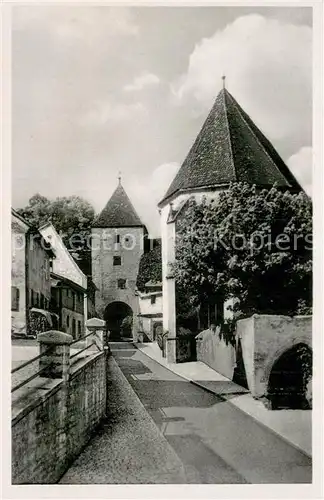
[52,423]
[214,352]
[105,274]
[264,338]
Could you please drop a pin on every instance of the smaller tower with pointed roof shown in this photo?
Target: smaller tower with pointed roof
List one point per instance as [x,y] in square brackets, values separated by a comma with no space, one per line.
[117,246]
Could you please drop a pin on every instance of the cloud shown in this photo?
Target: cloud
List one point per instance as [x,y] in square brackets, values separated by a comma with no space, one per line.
[268,68]
[142,81]
[147,192]
[105,112]
[301,165]
[76,22]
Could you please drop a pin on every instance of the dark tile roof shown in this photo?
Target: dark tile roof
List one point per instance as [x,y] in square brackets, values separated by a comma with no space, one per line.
[230,148]
[119,212]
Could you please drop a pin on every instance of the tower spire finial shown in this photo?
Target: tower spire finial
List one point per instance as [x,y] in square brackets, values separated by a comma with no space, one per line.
[119,177]
[223,78]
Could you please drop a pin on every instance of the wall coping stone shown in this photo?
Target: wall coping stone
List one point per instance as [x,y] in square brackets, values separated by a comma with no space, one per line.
[82,362]
[300,316]
[54,337]
[95,322]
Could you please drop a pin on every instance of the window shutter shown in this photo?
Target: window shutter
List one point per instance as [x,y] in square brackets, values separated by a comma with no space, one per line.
[14,298]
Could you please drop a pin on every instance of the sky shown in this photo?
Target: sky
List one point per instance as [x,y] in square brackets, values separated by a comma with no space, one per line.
[102,90]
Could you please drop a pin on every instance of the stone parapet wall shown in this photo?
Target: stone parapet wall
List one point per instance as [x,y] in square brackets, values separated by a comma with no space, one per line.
[52,422]
[264,338]
[215,352]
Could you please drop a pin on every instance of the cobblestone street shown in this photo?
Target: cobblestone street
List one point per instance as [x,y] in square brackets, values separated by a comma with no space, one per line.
[161,428]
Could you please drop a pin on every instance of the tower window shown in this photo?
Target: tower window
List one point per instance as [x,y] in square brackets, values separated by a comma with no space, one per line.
[121,283]
[117,260]
[117,239]
[153,299]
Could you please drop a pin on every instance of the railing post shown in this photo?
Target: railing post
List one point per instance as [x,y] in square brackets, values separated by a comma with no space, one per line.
[97,327]
[56,361]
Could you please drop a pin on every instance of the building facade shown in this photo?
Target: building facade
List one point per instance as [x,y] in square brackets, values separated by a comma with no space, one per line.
[229,148]
[67,301]
[30,274]
[117,246]
[150,315]
[69,297]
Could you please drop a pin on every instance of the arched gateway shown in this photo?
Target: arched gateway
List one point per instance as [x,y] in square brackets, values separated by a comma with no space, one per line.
[289,376]
[119,320]
[117,245]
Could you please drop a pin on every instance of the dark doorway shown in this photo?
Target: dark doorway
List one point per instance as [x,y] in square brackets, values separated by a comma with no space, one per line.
[288,379]
[119,320]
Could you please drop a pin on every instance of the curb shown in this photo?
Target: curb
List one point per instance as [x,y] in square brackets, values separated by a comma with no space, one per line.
[262,424]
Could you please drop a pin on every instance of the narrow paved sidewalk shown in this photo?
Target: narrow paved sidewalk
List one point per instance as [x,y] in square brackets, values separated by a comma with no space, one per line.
[294,426]
[128,448]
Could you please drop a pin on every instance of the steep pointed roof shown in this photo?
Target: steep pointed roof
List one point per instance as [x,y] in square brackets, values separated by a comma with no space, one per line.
[230,148]
[119,212]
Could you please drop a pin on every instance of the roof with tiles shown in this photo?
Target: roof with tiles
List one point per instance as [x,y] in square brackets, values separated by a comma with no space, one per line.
[119,212]
[230,148]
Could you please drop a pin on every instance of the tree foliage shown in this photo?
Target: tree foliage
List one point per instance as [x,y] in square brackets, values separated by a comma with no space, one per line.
[248,244]
[71,216]
[150,267]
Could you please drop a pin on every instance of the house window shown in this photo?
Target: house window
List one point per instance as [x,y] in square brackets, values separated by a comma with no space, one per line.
[73,326]
[68,321]
[79,328]
[121,283]
[117,260]
[37,299]
[42,301]
[73,301]
[14,298]
[153,299]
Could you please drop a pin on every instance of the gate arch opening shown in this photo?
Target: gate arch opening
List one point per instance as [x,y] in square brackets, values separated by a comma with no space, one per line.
[287,386]
[119,320]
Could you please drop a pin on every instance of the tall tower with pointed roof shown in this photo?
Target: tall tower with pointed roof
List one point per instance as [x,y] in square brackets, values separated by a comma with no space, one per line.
[117,246]
[229,148]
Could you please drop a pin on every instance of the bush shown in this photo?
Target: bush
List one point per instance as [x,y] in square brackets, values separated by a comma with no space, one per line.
[270,272]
